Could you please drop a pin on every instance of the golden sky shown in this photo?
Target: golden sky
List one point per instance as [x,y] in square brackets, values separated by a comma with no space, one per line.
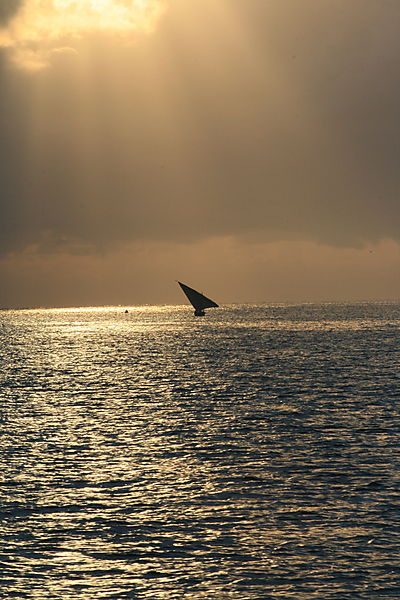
[246,147]
[38,28]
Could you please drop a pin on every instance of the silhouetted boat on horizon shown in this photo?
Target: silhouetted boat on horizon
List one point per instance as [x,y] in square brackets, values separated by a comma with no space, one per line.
[197,300]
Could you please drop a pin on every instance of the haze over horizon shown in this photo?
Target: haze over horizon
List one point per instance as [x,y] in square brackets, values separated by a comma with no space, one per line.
[247,148]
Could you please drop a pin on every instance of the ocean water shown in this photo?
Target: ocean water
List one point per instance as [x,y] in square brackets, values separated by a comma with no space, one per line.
[250,454]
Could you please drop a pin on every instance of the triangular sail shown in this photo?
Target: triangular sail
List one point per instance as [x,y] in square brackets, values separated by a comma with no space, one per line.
[199,301]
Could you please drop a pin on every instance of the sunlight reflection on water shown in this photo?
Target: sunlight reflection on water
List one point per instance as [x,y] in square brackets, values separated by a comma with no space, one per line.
[251,454]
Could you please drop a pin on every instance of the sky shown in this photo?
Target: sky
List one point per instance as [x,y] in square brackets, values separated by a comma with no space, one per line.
[249,148]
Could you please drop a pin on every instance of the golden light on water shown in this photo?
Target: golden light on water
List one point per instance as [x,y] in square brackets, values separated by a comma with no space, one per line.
[41,26]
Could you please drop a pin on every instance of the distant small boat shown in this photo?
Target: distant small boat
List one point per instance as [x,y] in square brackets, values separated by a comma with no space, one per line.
[198,301]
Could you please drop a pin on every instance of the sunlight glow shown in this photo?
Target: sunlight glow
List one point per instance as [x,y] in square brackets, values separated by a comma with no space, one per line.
[40,25]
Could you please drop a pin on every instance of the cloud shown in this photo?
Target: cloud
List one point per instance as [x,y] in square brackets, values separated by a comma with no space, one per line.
[38,26]
[244,119]
[8,10]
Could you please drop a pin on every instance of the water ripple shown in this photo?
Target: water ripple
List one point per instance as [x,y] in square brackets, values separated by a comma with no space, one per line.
[249,455]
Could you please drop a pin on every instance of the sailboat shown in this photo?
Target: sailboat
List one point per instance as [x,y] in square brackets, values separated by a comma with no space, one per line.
[198,301]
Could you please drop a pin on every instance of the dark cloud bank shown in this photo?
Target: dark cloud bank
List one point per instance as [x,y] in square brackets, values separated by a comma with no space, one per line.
[8,9]
[279,123]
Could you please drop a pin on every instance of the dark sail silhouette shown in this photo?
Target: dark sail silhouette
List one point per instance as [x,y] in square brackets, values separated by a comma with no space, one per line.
[198,301]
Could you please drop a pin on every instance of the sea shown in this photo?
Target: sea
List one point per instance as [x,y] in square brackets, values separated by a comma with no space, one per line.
[251,454]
